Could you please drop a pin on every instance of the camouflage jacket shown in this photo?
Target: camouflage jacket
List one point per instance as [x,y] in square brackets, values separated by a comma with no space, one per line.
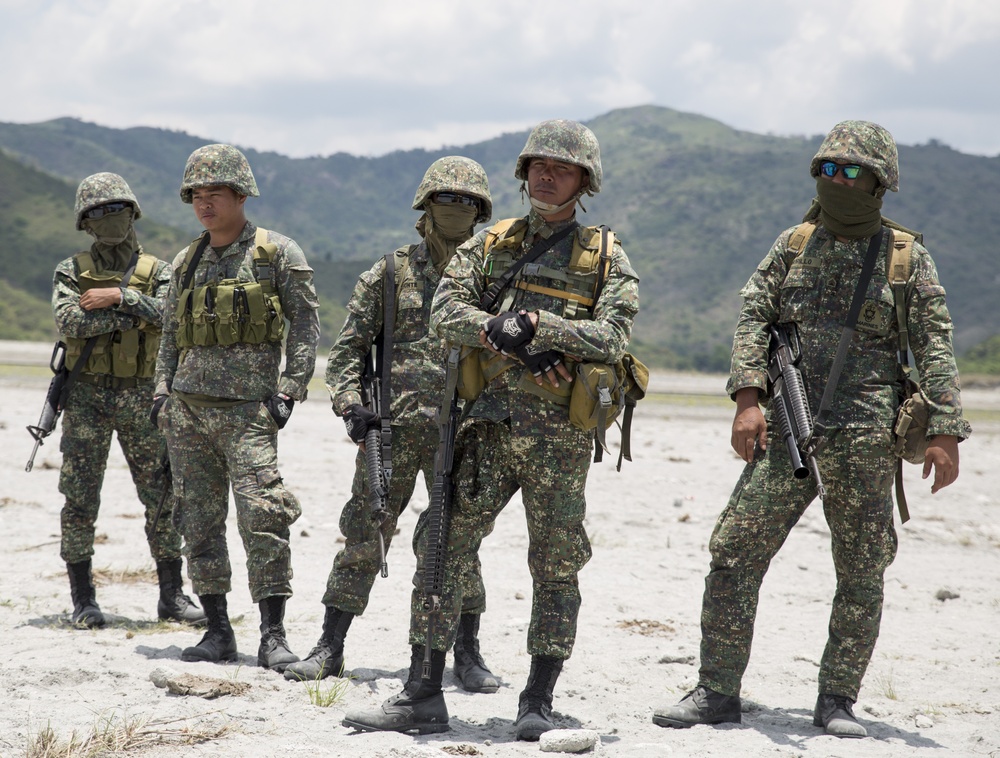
[814,290]
[457,317]
[244,371]
[135,307]
[417,355]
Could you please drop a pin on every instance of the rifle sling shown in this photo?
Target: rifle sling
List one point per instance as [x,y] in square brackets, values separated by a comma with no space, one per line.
[88,347]
[492,295]
[384,360]
[822,416]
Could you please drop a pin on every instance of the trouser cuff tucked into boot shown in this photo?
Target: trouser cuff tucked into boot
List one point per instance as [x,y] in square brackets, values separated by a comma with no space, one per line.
[419,708]
[327,658]
[470,668]
[219,642]
[173,604]
[273,652]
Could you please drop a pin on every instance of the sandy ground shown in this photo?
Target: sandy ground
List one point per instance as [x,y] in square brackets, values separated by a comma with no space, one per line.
[933,688]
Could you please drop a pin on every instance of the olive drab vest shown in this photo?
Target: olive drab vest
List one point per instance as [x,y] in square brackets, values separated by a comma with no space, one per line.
[129,353]
[578,286]
[231,310]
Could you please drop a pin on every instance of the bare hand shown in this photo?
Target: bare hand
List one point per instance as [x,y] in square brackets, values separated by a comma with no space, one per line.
[749,426]
[103,297]
[942,456]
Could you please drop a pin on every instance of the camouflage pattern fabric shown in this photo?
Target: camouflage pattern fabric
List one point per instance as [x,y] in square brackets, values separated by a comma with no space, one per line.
[209,448]
[214,165]
[243,371]
[566,141]
[417,388]
[517,439]
[814,290]
[92,414]
[766,504]
[100,189]
[233,441]
[865,144]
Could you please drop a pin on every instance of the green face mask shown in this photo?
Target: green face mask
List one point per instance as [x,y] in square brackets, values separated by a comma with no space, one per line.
[848,212]
[111,229]
[446,226]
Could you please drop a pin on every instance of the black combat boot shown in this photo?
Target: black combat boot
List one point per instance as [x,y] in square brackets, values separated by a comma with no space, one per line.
[219,642]
[836,715]
[86,612]
[327,658]
[173,604]
[700,706]
[273,652]
[534,707]
[419,708]
[470,668]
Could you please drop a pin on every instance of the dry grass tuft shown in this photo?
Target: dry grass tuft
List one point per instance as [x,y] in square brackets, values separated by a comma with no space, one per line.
[647,627]
[128,575]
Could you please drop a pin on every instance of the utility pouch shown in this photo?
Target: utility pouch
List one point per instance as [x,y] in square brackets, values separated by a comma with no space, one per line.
[126,357]
[185,326]
[597,398]
[471,381]
[275,319]
[227,328]
[254,328]
[910,429]
[203,316]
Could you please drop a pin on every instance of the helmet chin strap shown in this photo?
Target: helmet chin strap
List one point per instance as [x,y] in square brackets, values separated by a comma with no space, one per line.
[548,209]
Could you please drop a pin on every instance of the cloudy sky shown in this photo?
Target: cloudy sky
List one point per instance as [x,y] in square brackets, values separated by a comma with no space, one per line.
[313,77]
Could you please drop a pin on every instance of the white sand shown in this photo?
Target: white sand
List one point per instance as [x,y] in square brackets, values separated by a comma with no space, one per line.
[933,688]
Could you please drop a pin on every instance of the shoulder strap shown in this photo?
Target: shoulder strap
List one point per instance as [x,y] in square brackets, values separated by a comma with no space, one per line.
[402,256]
[898,267]
[492,295]
[191,260]
[800,237]
[263,254]
[604,262]
[497,231]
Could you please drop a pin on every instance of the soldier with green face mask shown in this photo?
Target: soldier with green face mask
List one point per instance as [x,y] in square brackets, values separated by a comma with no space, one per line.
[107,302]
[807,282]
[453,196]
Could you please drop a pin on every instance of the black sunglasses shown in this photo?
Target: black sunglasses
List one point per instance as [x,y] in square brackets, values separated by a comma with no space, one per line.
[103,210]
[453,197]
[830,169]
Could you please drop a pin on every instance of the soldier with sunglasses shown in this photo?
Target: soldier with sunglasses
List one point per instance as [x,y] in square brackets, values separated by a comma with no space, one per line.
[811,285]
[113,326]
[454,196]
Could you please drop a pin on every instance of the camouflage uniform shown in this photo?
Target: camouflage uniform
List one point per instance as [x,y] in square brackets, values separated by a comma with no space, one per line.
[813,290]
[417,385]
[222,432]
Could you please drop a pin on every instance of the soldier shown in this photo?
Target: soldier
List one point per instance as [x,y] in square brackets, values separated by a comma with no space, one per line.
[114,326]
[519,436]
[811,287]
[454,196]
[220,401]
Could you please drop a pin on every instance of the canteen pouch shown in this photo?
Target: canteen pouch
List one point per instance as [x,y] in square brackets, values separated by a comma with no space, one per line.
[910,429]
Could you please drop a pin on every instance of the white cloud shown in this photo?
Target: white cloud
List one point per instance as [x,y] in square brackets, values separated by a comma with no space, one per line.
[312,77]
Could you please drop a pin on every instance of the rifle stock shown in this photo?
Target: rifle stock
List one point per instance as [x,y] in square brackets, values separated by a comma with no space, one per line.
[166,476]
[54,398]
[791,409]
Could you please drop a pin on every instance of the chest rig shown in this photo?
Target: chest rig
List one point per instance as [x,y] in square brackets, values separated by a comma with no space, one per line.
[123,354]
[227,311]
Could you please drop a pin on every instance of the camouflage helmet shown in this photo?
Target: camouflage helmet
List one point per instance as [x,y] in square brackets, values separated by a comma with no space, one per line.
[100,189]
[215,165]
[456,174]
[566,141]
[864,143]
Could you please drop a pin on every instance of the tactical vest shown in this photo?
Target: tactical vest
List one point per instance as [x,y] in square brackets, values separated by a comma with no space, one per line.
[578,286]
[231,310]
[129,353]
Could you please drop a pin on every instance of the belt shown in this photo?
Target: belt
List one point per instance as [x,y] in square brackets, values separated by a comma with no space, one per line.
[109,382]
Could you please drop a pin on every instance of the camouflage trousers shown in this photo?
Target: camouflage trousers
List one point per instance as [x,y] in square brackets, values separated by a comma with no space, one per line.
[209,448]
[92,414]
[857,467]
[357,564]
[548,463]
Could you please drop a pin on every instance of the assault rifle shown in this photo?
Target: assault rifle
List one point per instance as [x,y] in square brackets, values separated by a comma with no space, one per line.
[378,459]
[439,510]
[55,398]
[791,409]
[164,474]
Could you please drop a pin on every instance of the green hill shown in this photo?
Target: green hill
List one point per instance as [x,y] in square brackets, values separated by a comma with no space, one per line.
[696,203]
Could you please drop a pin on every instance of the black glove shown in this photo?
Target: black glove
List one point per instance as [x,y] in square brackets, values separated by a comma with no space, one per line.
[358,421]
[540,362]
[280,407]
[509,331]
[154,412]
